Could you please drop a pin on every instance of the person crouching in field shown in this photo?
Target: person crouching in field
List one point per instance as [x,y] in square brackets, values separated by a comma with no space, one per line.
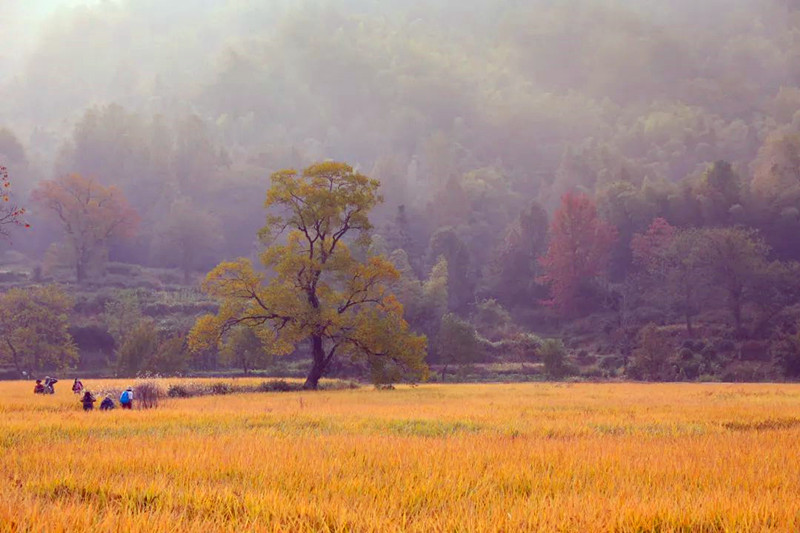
[88,400]
[77,386]
[50,385]
[107,404]
[39,388]
[126,398]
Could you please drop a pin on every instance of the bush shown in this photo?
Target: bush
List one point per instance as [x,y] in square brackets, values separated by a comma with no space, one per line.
[786,353]
[612,363]
[724,346]
[220,388]
[179,391]
[278,385]
[754,351]
[554,356]
[146,394]
[649,360]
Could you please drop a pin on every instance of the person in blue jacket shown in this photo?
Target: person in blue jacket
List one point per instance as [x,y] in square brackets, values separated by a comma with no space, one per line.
[126,399]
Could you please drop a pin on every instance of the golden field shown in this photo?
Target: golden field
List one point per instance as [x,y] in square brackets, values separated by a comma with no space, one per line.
[527,457]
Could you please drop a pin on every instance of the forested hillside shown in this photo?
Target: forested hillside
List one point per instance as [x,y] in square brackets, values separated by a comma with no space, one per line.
[609,188]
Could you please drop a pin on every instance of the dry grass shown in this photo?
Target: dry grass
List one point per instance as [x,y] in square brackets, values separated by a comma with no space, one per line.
[434,458]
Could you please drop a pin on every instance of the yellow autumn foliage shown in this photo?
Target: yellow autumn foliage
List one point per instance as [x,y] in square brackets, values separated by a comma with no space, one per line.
[317,290]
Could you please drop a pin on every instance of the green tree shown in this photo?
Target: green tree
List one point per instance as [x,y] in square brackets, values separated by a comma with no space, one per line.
[170,357]
[424,302]
[554,354]
[720,191]
[243,348]
[736,258]
[457,343]
[515,267]
[674,263]
[650,359]
[34,329]
[139,346]
[122,314]
[491,319]
[318,291]
[446,243]
[188,238]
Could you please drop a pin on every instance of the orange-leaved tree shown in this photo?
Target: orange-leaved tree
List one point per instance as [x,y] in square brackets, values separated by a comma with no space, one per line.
[580,243]
[11,214]
[90,214]
[316,290]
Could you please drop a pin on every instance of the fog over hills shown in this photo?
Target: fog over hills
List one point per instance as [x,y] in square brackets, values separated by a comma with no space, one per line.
[476,116]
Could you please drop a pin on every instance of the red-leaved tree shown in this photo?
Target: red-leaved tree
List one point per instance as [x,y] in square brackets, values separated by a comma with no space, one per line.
[580,243]
[90,214]
[651,249]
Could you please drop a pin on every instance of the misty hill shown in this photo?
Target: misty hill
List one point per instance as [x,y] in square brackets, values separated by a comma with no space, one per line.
[476,116]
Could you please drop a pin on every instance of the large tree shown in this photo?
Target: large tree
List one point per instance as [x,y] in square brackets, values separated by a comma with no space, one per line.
[580,244]
[34,329]
[11,214]
[694,263]
[188,238]
[736,258]
[457,343]
[317,290]
[674,265]
[514,269]
[90,214]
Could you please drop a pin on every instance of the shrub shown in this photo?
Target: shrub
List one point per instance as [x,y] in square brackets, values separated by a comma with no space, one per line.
[650,358]
[724,345]
[786,352]
[612,363]
[146,394]
[277,385]
[554,356]
[221,388]
[179,391]
[754,351]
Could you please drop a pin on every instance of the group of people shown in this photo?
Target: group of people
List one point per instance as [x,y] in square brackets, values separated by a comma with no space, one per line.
[125,400]
[87,398]
[48,387]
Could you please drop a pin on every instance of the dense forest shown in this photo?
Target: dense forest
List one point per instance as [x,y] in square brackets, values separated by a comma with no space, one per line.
[606,189]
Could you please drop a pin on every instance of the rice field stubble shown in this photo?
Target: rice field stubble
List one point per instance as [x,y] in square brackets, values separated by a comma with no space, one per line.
[549,457]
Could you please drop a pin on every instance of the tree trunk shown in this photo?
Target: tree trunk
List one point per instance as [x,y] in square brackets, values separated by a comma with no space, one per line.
[319,366]
[736,310]
[80,271]
[687,303]
[444,371]
[15,356]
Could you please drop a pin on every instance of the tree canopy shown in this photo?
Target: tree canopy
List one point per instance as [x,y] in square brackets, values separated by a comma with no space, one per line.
[319,291]
[34,329]
[90,214]
[11,214]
